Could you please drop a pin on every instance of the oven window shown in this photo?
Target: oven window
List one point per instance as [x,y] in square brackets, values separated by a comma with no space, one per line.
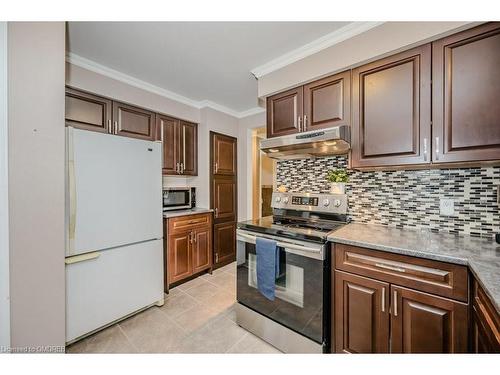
[298,302]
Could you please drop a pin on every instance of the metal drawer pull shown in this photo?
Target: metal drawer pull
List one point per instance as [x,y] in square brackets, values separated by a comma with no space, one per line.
[300,123]
[395,303]
[383,299]
[387,267]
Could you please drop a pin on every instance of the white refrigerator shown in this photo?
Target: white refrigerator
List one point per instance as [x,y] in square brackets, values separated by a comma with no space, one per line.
[114,252]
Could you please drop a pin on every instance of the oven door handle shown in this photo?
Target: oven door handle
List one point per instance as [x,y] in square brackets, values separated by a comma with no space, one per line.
[285,245]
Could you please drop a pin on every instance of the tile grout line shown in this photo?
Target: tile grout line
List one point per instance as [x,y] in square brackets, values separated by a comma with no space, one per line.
[127,338]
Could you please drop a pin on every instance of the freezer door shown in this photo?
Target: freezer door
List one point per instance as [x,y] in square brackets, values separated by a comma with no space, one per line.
[114,191]
[104,286]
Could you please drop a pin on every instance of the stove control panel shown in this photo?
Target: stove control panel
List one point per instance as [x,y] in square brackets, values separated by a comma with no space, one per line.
[333,203]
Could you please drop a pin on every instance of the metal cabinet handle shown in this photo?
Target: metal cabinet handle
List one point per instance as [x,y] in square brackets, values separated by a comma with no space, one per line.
[116,127]
[395,303]
[216,167]
[183,147]
[425,149]
[300,123]
[387,267]
[194,236]
[162,134]
[437,148]
[216,212]
[109,126]
[216,258]
[181,169]
[383,299]
[305,123]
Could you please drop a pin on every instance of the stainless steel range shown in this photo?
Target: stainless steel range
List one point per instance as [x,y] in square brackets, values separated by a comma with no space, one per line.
[297,321]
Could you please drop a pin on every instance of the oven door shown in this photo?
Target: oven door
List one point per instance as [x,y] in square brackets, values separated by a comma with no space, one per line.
[176,198]
[300,288]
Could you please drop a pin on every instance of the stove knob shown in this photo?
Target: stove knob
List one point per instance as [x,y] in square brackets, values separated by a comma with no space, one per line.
[337,203]
[326,202]
[278,199]
[285,200]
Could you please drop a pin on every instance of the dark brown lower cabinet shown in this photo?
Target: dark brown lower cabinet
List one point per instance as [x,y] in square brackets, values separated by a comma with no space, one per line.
[361,314]
[485,330]
[188,247]
[375,316]
[423,323]
[225,243]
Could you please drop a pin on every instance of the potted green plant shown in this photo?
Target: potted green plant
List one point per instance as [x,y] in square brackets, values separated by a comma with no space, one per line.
[338,178]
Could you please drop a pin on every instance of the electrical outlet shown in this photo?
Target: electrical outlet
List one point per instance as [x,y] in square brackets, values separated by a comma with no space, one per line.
[447,207]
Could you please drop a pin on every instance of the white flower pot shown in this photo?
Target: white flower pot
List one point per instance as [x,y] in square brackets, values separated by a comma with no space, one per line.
[337,188]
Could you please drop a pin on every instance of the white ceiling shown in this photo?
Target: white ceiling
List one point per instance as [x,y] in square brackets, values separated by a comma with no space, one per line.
[202,61]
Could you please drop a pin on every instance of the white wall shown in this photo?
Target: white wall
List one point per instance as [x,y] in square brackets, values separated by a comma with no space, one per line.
[374,43]
[36,52]
[4,199]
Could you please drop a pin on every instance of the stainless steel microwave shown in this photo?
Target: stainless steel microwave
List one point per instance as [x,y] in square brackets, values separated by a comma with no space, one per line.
[179,198]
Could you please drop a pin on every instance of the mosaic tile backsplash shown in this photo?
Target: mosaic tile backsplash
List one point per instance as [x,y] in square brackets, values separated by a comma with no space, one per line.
[406,198]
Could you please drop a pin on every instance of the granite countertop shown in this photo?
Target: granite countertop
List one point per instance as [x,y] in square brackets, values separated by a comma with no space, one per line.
[191,211]
[482,255]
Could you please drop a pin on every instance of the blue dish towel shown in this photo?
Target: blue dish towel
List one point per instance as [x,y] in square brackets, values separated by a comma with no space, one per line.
[267,266]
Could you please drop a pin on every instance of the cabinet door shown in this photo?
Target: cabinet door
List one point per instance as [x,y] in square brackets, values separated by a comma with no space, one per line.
[224,198]
[360,314]
[466,88]
[134,122]
[202,249]
[88,112]
[392,110]
[189,148]
[224,243]
[168,134]
[327,102]
[284,112]
[224,155]
[423,323]
[485,323]
[179,256]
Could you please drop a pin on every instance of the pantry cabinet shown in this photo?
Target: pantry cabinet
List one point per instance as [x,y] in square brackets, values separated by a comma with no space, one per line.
[188,247]
[466,88]
[390,303]
[391,110]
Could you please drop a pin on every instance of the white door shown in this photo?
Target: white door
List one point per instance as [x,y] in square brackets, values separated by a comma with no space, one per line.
[115,191]
[111,285]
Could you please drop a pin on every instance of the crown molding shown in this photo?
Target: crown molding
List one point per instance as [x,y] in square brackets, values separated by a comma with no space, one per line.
[95,67]
[348,31]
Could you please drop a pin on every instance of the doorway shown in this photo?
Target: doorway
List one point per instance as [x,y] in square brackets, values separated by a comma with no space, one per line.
[223,196]
[264,173]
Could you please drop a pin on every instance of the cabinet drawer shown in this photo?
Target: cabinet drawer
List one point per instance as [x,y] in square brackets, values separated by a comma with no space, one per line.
[443,279]
[187,222]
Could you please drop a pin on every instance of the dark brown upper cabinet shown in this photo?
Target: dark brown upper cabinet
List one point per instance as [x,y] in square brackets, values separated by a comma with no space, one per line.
[87,111]
[466,88]
[180,145]
[391,122]
[284,113]
[224,155]
[134,122]
[327,102]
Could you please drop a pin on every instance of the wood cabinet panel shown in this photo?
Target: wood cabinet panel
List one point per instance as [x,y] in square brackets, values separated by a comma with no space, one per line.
[183,223]
[423,323]
[485,323]
[134,122]
[361,314]
[444,279]
[202,245]
[167,129]
[224,243]
[327,102]
[179,256]
[466,87]
[224,155]
[224,198]
[284,112]
[189,148]
[391,110]
[87,111]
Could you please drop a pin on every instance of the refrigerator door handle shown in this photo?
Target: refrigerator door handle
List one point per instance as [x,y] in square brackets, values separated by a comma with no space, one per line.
[82,257]
[72,193]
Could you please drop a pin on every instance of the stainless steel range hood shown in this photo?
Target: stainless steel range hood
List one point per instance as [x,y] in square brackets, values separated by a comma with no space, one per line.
[332,141]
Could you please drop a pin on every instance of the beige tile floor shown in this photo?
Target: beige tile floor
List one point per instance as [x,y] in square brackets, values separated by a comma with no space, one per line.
[197,317]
